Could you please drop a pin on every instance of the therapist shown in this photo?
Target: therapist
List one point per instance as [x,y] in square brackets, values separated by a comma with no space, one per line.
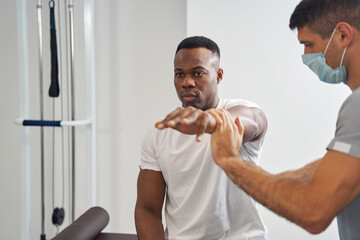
[314,195]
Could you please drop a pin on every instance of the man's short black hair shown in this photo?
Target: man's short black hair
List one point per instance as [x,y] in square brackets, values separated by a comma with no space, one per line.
[197,42]
[321,16]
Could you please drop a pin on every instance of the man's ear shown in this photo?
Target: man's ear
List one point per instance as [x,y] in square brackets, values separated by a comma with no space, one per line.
[347,33]
[220,74]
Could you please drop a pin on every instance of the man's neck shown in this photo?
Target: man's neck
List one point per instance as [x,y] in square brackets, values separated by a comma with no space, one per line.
[354,69]
[354,80]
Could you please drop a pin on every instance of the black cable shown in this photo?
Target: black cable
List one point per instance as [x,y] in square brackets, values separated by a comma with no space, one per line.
[54,91]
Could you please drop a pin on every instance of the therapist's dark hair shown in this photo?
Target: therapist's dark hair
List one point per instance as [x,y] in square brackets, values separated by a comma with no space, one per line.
[197,42]
[321,16]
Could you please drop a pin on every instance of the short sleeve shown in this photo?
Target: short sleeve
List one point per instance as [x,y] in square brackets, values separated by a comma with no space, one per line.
[147,155]
[229,103]
[347,135]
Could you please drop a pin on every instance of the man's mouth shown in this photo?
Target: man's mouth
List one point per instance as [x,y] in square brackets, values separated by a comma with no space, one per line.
[188,97]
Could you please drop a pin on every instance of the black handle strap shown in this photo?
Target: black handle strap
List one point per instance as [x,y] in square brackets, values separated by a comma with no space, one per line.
[54,89]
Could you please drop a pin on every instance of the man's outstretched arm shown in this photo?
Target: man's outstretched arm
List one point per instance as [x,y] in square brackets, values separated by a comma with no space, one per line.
[190,120]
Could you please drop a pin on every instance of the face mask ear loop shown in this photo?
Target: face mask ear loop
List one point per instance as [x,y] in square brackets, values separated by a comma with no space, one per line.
[327,46]
[342,57]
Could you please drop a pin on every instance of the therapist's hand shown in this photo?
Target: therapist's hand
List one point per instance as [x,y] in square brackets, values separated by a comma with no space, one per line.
[227,138]
[189,120]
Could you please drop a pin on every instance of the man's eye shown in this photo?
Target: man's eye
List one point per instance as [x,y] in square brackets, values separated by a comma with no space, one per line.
[199,74]
[179,75]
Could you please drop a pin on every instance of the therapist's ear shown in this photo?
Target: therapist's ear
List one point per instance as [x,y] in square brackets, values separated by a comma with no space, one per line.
[347,33]
[220,74]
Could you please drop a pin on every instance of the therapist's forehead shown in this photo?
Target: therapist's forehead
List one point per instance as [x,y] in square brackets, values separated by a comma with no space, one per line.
[306,34]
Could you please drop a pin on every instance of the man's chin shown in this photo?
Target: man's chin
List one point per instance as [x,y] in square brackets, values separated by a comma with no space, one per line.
[190,104]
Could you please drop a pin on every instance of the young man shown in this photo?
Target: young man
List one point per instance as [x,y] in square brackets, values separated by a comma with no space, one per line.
[314,195]
[201,201]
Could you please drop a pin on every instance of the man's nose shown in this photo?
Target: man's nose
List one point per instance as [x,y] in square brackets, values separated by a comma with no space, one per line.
[188,82]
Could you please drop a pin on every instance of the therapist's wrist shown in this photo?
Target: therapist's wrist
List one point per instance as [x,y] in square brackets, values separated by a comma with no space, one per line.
[229,163]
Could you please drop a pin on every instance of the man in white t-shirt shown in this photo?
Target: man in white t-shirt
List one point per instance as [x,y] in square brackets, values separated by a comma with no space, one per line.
[201,201]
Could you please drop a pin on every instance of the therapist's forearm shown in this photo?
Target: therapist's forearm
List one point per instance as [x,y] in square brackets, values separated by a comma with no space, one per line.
[289,198]
[148,226]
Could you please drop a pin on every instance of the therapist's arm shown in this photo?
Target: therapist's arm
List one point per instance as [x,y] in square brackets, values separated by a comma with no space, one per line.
[302,174]
[151,189]
[311,205]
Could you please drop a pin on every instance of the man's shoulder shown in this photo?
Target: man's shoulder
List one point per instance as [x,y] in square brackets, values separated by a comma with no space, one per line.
[229,103]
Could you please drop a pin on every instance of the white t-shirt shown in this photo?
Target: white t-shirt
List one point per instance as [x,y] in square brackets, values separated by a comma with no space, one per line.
[201,201]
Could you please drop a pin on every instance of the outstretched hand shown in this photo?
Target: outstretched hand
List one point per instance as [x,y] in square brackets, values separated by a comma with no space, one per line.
[227,138]
[189,120]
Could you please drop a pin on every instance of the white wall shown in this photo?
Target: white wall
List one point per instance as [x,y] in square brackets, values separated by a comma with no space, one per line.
[261,58]
[9,134]
[135,44]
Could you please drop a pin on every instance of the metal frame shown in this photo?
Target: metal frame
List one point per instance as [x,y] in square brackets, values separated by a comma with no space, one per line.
[89,123]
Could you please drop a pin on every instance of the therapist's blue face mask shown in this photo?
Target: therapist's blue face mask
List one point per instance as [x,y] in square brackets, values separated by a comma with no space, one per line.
[317,63]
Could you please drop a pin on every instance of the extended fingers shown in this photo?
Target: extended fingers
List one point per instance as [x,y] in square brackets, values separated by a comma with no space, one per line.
[176,116]
[164,123]
[192,117]
[187,116]
[179,116]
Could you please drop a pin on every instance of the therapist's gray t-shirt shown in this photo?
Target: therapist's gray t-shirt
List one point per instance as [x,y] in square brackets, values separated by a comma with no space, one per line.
[347,140]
